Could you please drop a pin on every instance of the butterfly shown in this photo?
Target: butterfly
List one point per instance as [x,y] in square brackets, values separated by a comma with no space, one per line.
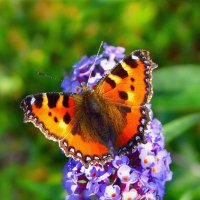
[98,122]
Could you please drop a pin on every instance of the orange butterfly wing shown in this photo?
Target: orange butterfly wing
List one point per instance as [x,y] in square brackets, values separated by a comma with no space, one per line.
[53,114]
[129,85]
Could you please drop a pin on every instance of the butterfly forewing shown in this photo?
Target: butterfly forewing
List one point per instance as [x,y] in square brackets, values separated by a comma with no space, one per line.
[51,112]
[129,82]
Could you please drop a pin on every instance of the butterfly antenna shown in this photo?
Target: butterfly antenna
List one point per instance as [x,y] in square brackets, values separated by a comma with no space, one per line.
[47,76]
[93,65]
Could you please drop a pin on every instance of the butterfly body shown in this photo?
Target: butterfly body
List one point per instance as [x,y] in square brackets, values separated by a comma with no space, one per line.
[101,120]
[111,117]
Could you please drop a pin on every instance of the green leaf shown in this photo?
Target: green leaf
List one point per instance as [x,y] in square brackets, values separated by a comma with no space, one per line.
[176,88]
[43,190]
[184,181]
[175,128]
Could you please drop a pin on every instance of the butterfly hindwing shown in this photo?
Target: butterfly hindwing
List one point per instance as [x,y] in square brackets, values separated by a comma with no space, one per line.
[133,133]
[87,152]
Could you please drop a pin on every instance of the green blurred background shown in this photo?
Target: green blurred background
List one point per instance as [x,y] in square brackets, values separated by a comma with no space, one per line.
[50,36]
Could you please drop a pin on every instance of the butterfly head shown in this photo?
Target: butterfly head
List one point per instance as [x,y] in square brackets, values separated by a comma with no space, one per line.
[85,89]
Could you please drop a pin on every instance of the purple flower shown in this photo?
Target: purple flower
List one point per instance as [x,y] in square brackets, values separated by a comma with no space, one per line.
[112,192]
[125,175]
[91,173]
[82,69]
[139,175]
[147,158]
[91,189]
[120,160]
[130,195]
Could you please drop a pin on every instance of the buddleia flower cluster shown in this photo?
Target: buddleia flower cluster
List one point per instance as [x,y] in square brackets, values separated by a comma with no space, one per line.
[141,174]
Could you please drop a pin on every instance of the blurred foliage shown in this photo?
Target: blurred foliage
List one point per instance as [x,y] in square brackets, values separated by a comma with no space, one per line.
[50,36]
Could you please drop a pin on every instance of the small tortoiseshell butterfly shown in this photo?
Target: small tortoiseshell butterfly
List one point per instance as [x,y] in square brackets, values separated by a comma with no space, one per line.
[111,117]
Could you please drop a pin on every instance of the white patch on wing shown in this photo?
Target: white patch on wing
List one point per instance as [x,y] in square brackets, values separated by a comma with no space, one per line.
[32,100]
[134,57]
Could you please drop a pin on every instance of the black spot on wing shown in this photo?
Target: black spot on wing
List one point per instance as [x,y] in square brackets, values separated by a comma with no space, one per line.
[52,99]
[131,62]
[132,79]
[65,101]
[128,110]
[123,95]
[55,119]
[38,100]
[50,114]
[120,71]
[110,82]
[125,109]
[67,118]
[132,87]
